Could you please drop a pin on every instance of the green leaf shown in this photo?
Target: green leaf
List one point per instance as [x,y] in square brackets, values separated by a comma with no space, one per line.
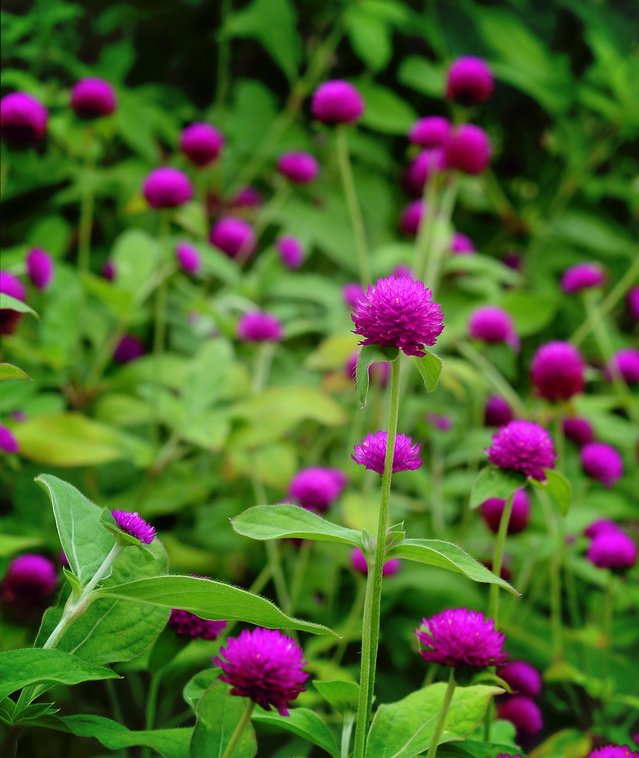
[448,556]
[422,75]
[370,38]
[404,729]
[198,684]
[135,255]
[494,482]
[367,355]
[210,600]
[9,371]
[340,695]
[430,367]
[303,722]
[13,304]
[558,488]
[385,111]
[531,313]
[39,666]
[10,544]
[218,714]
[272,522]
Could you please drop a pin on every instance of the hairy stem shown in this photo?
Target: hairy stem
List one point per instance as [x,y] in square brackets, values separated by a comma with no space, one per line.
[441,720]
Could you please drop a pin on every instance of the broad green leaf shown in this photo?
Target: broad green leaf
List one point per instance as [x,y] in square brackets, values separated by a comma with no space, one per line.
[422,75]
[38,666]
[367,355]
[303,722]
[218,714]
[197,685]
[370,38]
[135,255]
[473,749]
[569,743]
[494,482]
[192,218]
[13,304]
[9,371]
[206,379]
[404,729]
[531,312]
[340,695]
[272,522]
[448,556]
[385,110]
[210,600]
[559,489]
[430,367]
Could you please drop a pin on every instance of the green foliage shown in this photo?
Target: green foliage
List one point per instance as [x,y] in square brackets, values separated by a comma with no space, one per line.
[218,715]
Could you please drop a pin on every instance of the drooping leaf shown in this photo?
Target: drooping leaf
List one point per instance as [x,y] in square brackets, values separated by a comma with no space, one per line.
[558,488]
[13,304]
[218,714]
[430,367]
[303,722]
[494,482]
[367,355]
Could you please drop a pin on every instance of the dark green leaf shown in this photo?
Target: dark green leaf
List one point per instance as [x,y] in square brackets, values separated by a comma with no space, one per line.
[340,695]
[218,713]
[303,722]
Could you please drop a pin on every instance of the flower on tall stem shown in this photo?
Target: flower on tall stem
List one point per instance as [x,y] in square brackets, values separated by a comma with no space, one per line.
[201,143]
[523,446]
[371,453]
[423,169]
[602,462]
[316,488]
[493,508]
[522,677]
[234,237]
[497,411]
[557,371]
[491,324]
[337,102]
[259,326]
[523,713]
[188,258]
[290,251]
[431,131]
[468,150]
[469,81]
[39,268]
[93,98]
[30,582]
[624,363]
[613,550]
[578,430]
[582,276]
[134,525]
[167,187]
[298,167]
[23,120]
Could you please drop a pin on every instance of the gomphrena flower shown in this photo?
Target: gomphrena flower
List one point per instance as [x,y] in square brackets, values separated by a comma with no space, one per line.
[23,120]
[601,526]
[462,244]
[265,666]
[298,167]
[291,251]
[461,637]
[351,293]
[468,150]
[8,442]
[316,488]
[360,564]
[167,187]
[398,312]
[371,453]
[411,217]
[402,270]
[378,371]
[523,446]
[109,271]
[135,525]
[337,102]
[492,324]
[632,304]
[497,412]
[613,751]
[470,81]
[523,713]
[93,98]
[128,349]
[39,268]
[201,143]
[582,276]
[522,677]
[439,421]
[431,131]
[259,326]
[12,286]
[421,168]
[247,197]
[613,550]
[625,363]
[187,624]
[513,259]
[557,371]
[492,509]
[602,462]
[188,258]
[234,237]
[578,430]
[30,582]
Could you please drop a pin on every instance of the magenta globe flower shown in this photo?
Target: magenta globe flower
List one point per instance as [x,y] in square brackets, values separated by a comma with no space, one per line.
[188,258]
[298,167]
[337,102]
[461,637]
[316,489]
[398,312]
[352,293]
[8,442]
[201,144]
[492,324]
[522,677]
[602,462]
[582,276]
[12,286]
[557,371]
[411,217]
[93,98]
[167,188]
[371,453]
[523,712]
[523,446]
[360,564]
[234,237]
[23,120]
[625,363]
[468,150]
[128,349]
[291,252]
[440,422]
[259,326]
[265,666]
[513,260]
[247,197]
[612,549]
[578,430]
[492,509]
[497,412]
[134,525]
[462,245]
[601,526]
[613,751]
[186,624]
[30,582]
[425,165]
[470,81]
[39,268]
[432,131]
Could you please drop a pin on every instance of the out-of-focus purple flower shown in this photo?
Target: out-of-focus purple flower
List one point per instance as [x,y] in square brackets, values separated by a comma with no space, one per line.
[360,564]
[626,363]
[601,526]
[523,712]
[134,525]
[522,677]
[443,423]
[398,312]
[18,415]
[247,197]
[40,268]
[93,98]
[403,271]
[602,462]
[468,150]
[632,303]
[128,349]
[233,236]
[12,286]
[201,143]
[497,412]
[316,489]
[613,550]
[108,270]
[582,276]
[186,624]
[513,260]
[8,443]
[259,326]
[378,372]
[337,102]
[469,81]
[578,430]
[290,250]
[371,453]
[298,167]
[431,131]
[188,258]
[167,187]
[411,218]
[23,120]
[423,166]
[523,446]
[492,324]
[352,292]
[461,637]
[492,509]
[265,666]
[462,245]
[557,371]
[613,751]
[30,582]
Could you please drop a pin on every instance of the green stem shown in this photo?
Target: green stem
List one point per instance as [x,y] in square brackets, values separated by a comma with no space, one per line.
[86,219]
[223,78]
[262,368]
[608,615]
[239,730]
[423,243]
[441,720]
[350,192]
[438,246]
[555,527]
[498,557]
[152,700]
[104,355]
[560,439]
[372,600]
[159,334]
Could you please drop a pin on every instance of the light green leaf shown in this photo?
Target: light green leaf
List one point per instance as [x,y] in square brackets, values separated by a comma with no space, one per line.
[370,38]
[135,255]
[340,695]
[385,111]
[13,304]
[9,371]
[218,714]
[430,367]
[305,723]
[198,684]
[494,482]
[422,75]
[558,488]
[14,543]
[367,355]
[531,312]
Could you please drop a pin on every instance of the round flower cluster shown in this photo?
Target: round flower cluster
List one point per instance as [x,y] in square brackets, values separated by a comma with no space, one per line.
[290,250]
[39,268]
[12,286]
[128,349]
[23,120]
[299,168]
[492,324]
[167,187]
[520,708]
[557,371]
[613,751]
[523,446]
[420,170]
[432,131]
[625,363]
[259,326]
[492,509]
[610,547]
[470,81]
[337,102]
[468,150]
[582,276]
[188,258]
[497,411]
[201,144]
[186,624]
[360,564]
[234,237]
[316,489]
[411,217]
[462,244]
[371,453]
[93,98]
[8,442]
[30,583]
[602,462]
[578,430]
[134,525]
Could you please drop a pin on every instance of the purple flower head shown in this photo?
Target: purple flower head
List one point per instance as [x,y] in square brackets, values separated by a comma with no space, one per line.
[432,131]
[443,423]
[427,163]
[398,312]
[352,292]
[513,260]
[523,446]
[12,286]
[625,363]
[523,712]
[582,276]
[411,218]
[557,371]
[462,245]
[522,677]
[128,349]
[337,102]
[492,324]
[108,270]
[92,98]
[578,430]
[188,258]
[23,120]
[492,509]
[201,143]
[469,82]
[265,666]
[403,271]
[632,304]
[290,250]
[461,637]
[299,168]
[234,237]
[39,268]
[468,150]
[497,412]
[360,564]
[613,751]
[135,525]
[259,326]
[601,526]
[18,415]
[247,197]
[186,624]
[378,371]
[8,443]
[371,453]
[602,462]
[30,582]
[167,188]
[316,489]
[612,550]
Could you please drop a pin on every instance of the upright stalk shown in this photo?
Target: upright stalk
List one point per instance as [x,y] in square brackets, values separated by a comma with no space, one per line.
[159,334]
[423,243]
[438,246]
[498,557]
[441,720]
[239,730]
[372,600]
[86,216]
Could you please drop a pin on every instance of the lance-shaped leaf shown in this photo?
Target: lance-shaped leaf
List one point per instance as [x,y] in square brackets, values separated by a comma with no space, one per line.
[430,367]
[9,371]
[303,722]
[494,482]
[558,488]
[12,304]
[367,355]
